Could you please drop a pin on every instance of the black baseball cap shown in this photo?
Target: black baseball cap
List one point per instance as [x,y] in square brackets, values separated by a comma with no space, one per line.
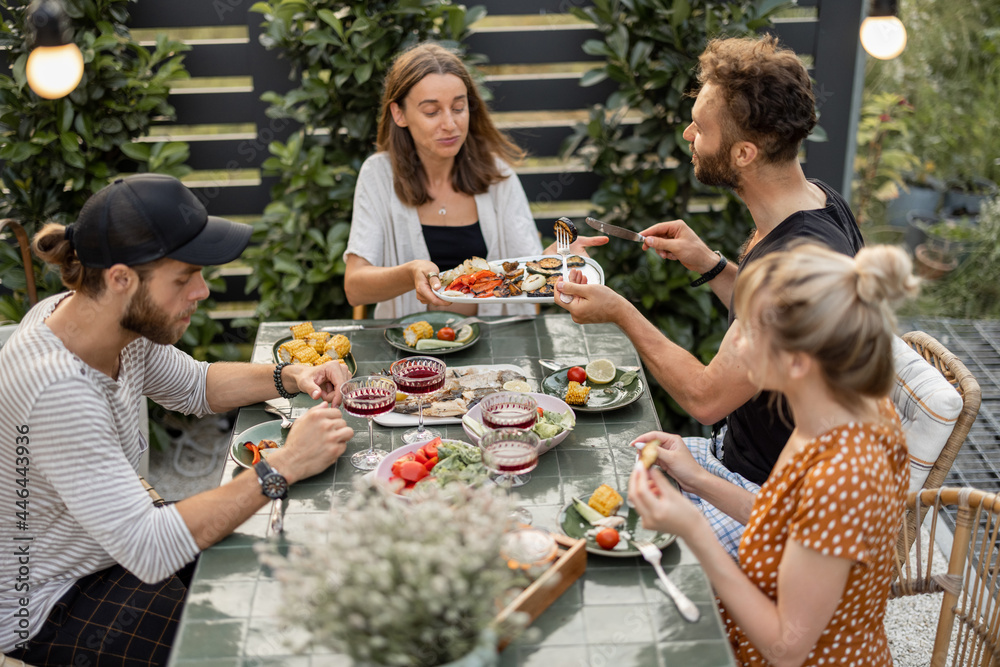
[145,217]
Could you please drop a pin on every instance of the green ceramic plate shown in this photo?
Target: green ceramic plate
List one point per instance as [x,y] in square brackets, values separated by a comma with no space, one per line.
[270,430]
[602,396]
[352,365]
[573,525]
[437,319]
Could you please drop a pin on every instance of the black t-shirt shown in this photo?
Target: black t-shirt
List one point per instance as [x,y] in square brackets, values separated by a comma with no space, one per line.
[450,246]
[756,432]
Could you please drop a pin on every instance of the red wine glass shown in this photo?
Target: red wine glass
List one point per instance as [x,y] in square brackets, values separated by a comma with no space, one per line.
[418,376]
[508,452]
[366,397]
[509,410]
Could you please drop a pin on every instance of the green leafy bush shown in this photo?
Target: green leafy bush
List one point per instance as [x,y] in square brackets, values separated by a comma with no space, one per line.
[339,53]
[651,49]
[56,153]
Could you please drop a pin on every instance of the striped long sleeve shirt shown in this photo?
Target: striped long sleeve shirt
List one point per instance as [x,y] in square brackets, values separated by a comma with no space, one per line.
[71,503]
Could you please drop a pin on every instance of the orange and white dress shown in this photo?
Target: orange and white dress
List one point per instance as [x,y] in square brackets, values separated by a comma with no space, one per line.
[841,495]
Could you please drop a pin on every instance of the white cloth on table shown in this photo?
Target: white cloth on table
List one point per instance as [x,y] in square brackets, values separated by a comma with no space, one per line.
[387,232]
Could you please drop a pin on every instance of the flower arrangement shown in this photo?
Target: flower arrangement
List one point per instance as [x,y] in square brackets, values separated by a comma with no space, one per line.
[406,583]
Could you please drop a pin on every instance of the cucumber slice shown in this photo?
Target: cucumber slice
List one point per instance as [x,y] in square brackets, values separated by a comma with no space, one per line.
[586,512]
[435,344]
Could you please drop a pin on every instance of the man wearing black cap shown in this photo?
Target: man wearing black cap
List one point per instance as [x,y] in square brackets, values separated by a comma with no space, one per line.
[95,574]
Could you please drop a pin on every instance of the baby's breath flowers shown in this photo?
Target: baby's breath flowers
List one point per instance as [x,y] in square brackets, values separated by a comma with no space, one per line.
[400,583]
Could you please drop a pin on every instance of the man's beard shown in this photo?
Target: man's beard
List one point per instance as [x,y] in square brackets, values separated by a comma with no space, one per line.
[716,169]
[143,317]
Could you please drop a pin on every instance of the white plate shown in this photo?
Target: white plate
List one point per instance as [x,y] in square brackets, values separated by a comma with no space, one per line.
[545,402]
[394,419]
[591,269]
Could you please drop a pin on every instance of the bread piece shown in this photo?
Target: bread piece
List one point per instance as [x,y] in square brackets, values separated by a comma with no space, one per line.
[649,453]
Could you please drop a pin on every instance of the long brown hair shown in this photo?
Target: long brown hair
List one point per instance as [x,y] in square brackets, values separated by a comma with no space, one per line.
[475,168]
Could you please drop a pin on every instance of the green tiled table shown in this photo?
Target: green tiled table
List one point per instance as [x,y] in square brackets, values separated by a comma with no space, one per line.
[614,615]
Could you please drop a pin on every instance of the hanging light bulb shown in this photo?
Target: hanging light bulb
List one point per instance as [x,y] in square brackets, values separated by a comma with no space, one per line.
[55,64]
[882,34]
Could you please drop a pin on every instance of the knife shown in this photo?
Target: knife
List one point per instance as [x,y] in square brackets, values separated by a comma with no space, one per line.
[362,327]
[615,230]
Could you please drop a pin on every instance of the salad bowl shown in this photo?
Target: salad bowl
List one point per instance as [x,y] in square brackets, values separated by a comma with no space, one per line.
[559,429]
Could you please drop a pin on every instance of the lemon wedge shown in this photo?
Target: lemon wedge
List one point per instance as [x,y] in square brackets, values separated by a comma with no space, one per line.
[601,371]
[463,335]
[400,396]
[516,385]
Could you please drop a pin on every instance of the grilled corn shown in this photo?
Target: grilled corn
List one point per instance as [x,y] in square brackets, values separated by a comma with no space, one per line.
[304,355]
[339,346]
[302,330]
[576,394]
[417,331]
[286,350]
[605,500]
[317,340]
[323,359]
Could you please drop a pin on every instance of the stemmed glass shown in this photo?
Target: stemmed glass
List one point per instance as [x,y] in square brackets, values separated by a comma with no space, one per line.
[510,410]
[418,376]
[507,452]
[366,397]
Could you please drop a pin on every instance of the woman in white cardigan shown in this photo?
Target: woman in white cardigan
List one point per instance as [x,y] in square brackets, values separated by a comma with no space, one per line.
[441,189]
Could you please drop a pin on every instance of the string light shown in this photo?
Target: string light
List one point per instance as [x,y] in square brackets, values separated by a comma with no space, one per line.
[882,34]
[55,64]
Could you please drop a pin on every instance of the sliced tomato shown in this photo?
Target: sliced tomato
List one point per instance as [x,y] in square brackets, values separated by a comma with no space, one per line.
[431,463]
[419,457]
[412,471]
[431,448]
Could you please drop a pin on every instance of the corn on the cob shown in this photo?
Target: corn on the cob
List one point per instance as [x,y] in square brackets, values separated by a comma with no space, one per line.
[416,331]
[323,359]
[339,346]
[302,330]
[605,500]
[576,394]
[286,350]
[304,355]
[317,340]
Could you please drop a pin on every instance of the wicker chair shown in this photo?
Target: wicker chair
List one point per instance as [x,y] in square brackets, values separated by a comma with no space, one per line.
[971,585]
[959,376]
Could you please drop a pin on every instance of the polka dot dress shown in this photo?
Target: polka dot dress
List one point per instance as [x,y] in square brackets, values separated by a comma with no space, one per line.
[841,495]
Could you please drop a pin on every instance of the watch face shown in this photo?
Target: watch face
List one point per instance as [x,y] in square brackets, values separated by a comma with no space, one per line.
[274,485]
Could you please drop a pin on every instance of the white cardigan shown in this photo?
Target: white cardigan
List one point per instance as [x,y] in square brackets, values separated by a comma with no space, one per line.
[387,232]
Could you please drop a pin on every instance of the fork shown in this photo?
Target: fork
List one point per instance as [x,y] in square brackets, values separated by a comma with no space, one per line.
[562,248]
[475,320]
[652,555]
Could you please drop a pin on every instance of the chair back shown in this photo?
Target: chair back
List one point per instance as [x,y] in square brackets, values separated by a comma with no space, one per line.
[955,372]
[970,585]
[22,241]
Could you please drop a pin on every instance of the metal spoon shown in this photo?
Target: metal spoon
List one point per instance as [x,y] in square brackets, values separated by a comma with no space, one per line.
[286,420]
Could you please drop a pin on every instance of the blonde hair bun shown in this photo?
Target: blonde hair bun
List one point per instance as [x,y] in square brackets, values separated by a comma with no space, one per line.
[884,273]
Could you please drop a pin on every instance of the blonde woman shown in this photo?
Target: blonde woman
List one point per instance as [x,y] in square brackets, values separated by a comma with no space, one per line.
[815,561]
[440,189]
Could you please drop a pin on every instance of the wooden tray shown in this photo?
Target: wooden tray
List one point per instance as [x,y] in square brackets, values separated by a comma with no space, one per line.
[543,591]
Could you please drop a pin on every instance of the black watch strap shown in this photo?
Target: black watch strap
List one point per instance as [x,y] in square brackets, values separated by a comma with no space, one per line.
[272,483]
[716,270]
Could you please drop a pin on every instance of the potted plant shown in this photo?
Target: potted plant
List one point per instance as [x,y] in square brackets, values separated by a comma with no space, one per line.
[965,197]
[920,191]
[408,583]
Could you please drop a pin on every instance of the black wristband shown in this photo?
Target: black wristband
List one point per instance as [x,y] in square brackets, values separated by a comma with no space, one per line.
[278,384]
[716,270]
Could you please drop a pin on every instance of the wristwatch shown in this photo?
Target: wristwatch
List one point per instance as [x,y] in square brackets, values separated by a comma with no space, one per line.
[272,483]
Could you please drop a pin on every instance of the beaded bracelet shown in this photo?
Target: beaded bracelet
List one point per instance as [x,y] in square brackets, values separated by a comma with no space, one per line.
[278,384]
[716,270]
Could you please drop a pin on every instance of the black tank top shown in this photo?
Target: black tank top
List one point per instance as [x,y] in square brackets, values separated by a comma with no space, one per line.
[450,246]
